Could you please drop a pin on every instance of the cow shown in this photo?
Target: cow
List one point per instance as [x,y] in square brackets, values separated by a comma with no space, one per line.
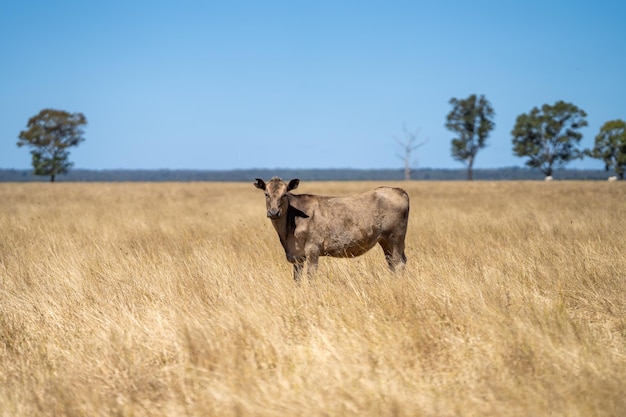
[310,226]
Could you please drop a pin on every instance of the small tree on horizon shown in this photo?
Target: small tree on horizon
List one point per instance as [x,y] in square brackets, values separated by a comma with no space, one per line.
[50,133]
[472,120]
[408,145]
[549,136]
[610,146]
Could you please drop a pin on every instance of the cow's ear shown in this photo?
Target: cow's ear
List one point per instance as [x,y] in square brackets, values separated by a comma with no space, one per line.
[293,184]
[260,184]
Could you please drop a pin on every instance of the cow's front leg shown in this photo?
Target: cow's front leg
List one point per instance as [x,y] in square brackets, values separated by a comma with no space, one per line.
[312,256]
[298,266]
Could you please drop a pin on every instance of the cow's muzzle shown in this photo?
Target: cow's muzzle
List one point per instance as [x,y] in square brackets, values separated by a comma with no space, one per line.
[273,214]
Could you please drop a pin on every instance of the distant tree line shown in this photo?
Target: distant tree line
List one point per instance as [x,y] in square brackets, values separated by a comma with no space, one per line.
[548,137]
[244,175]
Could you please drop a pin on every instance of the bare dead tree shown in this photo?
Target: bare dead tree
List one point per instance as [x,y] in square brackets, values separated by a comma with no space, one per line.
[408,145]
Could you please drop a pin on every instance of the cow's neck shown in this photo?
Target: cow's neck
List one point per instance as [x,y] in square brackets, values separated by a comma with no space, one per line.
[285,225]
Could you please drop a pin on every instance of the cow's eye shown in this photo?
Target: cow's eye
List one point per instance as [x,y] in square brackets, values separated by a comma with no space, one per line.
[267,195]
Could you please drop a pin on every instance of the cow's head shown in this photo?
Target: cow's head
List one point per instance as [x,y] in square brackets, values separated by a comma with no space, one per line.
[276,195]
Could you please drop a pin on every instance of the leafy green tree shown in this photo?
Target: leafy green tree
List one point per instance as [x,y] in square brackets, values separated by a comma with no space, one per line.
[50,133]
[610,146]
[549,136]
[472,120]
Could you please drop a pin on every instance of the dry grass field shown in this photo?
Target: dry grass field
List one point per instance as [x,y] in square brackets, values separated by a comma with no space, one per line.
[175,300]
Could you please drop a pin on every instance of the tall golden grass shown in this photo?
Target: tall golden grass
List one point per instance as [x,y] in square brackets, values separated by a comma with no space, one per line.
[175,299]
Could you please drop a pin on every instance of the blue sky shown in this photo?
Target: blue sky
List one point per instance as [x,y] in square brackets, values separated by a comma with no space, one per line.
[289,84]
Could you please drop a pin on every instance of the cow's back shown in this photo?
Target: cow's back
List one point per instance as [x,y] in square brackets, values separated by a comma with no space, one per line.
[351,225]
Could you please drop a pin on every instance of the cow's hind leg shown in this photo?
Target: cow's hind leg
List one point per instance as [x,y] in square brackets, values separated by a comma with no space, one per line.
[394,254]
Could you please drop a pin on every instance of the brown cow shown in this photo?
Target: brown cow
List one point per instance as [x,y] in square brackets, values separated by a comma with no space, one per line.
[310,226]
